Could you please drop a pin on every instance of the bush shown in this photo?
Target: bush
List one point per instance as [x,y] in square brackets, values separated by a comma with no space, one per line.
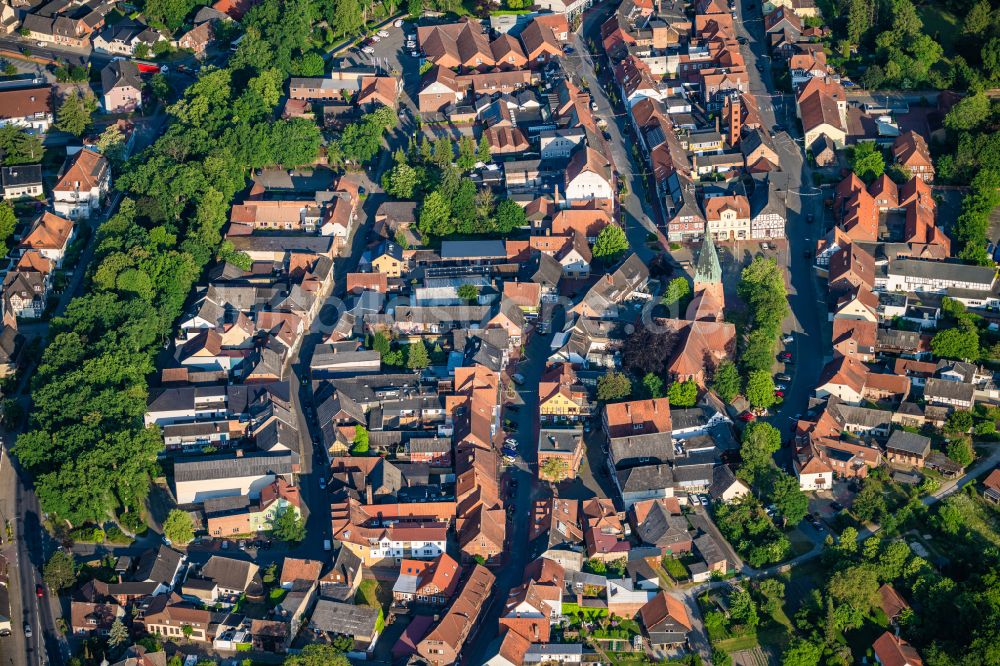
[87,534]
[117,537]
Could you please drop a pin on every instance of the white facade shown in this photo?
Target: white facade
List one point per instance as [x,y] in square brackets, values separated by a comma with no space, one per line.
[81,204]
[413,550]
[559,144]
[588,186]
[729,226]
[768,225]
[935,277]
[817,481]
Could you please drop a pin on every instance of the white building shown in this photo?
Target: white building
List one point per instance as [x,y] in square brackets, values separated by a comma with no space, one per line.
[937,276]
[83,186]
[589,177]
[814,474]
[230,475]
[560,143]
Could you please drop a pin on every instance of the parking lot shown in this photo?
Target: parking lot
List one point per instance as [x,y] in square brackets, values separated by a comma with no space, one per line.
[391,55]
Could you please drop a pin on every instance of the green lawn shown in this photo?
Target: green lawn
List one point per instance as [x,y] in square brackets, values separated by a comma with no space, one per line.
[675,568]
[738,643]
[942,25]
[367,594]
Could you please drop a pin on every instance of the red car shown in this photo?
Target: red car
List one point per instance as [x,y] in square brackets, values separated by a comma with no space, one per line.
[785,356]
[779,394]
[40,591]
[747,417]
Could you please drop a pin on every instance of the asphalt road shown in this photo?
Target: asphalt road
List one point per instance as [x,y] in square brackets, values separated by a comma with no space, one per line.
[807,320]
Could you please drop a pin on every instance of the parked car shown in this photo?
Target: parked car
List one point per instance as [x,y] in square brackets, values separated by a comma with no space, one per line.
[518,378]
[779,394]
[782,377]
[788,339]
[747,417]
[514,409]
[780,387]
[587,427]
[383,33]
[694,500]
[322,483]
[568,49]
[760,67]
[836,506]
[398,23]
[785,357]
[369,50]
[27,630]
[511,442]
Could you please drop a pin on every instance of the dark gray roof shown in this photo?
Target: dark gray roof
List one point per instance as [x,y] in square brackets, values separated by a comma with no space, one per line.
[940,270]
[641,450]
[230,465]
[943,388]
[228,572]
[119,74]
[650,477]
[693,417]
[709,549]
[909,442]
[663,529]
[560,440]
[722,479]
[347,619]
[473,249]
[549,271]
[157,565]
[21,175]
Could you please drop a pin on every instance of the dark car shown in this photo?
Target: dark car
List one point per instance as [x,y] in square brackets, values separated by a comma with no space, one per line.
[40,591]
[760,67]
[836,506]
[785,356]
[807,254]
[513,409]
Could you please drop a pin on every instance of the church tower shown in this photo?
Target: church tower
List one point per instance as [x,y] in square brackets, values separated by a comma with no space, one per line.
[709,296]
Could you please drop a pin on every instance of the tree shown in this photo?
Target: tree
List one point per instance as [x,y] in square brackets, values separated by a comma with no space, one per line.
[468,292]
[178,527]
[160,88]
[610,244]
[787,496]
[111,143]
[613,386]
[867,161]
[653,385]
[19,147]
[726,382]
[509,216]
[683,394]
[869,504]
[75,112]
[59,572]
[760,441]
[677,290]
[961,342]
[360,444]
[466,153]
[859,20]
[596,566]
[554,469]
[742,608]
[760,389]
[958,422]
[289,526]
[969,113]
[8,221]
[855,587]
[401,181]
[960,450]
[435,216]
[118,633]
[416,355]
[317,654]
[801,652]
[483,151]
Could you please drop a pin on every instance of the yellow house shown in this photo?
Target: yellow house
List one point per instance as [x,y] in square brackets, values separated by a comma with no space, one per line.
[560,395]
[389,260]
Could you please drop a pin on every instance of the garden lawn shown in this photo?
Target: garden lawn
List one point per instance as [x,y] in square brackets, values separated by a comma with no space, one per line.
[942,25]
[676,569]
[738,643]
